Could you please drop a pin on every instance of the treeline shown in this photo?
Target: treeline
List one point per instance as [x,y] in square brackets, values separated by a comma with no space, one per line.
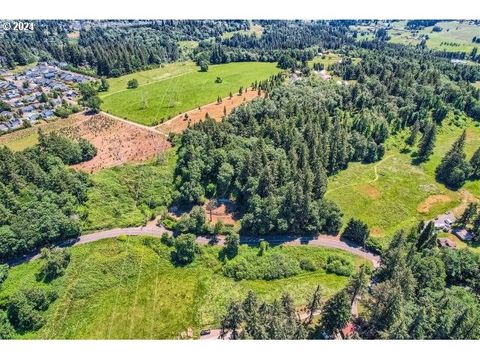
[39,194]
[301,40]
[111,51]
[410,83]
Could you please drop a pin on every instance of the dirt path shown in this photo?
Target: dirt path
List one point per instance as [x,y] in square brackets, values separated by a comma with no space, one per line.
[149,128]
[375,171]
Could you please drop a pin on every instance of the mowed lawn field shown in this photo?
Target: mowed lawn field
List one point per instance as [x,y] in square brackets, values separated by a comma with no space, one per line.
[393,193]
[123,289]
[168,91]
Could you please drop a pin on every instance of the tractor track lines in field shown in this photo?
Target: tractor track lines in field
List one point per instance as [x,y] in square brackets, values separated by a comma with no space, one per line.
[146,84]
[117,295]
[135,301]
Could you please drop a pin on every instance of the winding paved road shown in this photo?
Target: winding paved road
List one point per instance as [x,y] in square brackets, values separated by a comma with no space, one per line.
[152,230]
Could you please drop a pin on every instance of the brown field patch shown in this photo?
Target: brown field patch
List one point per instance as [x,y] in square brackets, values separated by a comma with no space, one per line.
[117,142]
[214,110]
[376,231]
[425,205]
[371,191]
[223,213]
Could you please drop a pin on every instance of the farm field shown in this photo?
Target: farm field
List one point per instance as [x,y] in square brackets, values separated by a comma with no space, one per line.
[123,289]
[129,195]
[167,96]
[393,194]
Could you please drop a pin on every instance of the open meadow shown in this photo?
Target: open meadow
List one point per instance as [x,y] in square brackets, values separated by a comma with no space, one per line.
[454,35]
[163,93]
[127,288]
[394,194]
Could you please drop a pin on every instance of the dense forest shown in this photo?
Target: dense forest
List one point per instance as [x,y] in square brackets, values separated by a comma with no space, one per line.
[39,194]
[110,51]
[273,156]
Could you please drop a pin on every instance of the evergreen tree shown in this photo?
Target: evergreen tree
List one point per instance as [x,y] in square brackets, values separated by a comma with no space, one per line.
[428,237]
[427,142]
[336,314]
[356,231]
[475,164]
[468,215]
[413,133]
[454,169]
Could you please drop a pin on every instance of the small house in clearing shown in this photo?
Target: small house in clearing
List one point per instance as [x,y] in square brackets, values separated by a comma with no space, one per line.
[464,234]
[444,221]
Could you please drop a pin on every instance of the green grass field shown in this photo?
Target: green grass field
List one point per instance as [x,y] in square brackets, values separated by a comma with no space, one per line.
[175,88]
[455,36]
[392,193]
[122,289]
[128,195]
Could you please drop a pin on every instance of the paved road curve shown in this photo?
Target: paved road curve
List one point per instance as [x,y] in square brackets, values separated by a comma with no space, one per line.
[152,230]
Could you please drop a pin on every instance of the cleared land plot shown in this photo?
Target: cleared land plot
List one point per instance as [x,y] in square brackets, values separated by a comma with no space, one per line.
[129,195]
[394,194]
[117,142]
[214,110]
[154,101]
[122,289]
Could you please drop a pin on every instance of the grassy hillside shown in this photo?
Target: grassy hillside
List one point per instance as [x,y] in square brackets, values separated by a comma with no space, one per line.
[129,195]
[122,289]
[393,193]
[161,94]
[455,36]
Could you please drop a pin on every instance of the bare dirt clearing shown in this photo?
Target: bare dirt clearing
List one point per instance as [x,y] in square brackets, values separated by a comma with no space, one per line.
[214,110]
[223,213]
[424,206]
[117,142]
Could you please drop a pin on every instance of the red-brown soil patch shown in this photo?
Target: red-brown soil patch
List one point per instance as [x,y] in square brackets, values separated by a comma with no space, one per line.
[223,213]
[370,191]
[425,205]
[117,142]
[214,110]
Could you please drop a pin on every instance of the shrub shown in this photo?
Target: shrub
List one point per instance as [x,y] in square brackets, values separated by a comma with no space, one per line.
[167,239]
[185,249]
[339,265]
[132,84]
[3,273]
[54,264]
[6,329]
[269,267]
[169,223]
[307,265]
[25,307]
[232,243]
